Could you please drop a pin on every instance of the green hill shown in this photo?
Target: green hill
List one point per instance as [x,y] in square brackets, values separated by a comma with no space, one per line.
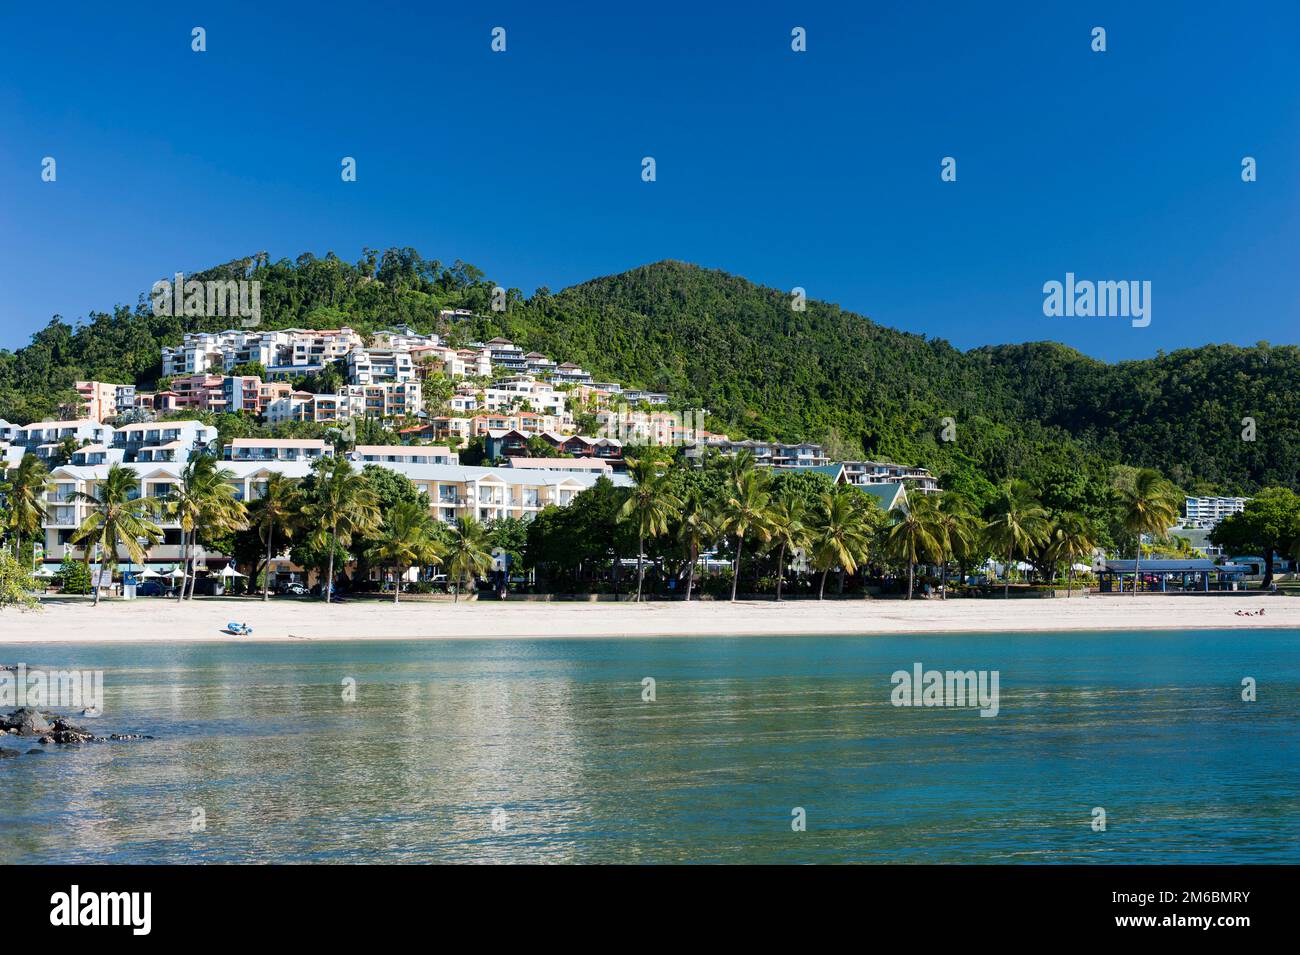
[765,370]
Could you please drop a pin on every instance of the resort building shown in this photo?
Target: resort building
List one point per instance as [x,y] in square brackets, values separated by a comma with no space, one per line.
[767,453]
[404,454]
[162,440]
[287,352]
[45,438]
[369,366]
[570,465]
[99,400]
[1208,511]
[885,472]
[277,449]
[216,393]
[453,492]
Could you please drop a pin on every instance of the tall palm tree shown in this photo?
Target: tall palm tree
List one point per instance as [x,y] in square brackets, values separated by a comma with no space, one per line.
[23,491]
[745,513]
[915,535]
[1072,538]
[696,525]
[468,554]
[118,517]
[406,539]
[841,533]
[788,532]
[279,507]
[203,501]
[342,506]
[958,533]
[1017,522]
[650,506]
[1149,506]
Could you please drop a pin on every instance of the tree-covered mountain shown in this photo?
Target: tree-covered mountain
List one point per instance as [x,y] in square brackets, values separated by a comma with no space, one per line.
[766,370]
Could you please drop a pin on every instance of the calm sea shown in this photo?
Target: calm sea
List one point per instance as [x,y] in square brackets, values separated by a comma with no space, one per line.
[546,751]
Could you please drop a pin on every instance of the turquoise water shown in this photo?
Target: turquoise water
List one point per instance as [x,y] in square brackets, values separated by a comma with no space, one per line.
[555,734]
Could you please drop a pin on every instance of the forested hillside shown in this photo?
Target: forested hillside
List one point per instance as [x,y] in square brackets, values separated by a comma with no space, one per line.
[764,370]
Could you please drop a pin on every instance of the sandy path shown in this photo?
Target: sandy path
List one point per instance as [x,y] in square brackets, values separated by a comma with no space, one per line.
[202,620]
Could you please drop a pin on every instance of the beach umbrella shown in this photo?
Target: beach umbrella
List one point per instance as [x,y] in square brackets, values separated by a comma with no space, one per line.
[150,574]
[229,571]
[176,573]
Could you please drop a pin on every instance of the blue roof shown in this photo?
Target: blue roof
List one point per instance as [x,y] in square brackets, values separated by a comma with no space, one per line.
[886,495]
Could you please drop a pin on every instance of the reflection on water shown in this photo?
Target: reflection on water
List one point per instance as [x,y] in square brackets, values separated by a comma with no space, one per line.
[1150,727]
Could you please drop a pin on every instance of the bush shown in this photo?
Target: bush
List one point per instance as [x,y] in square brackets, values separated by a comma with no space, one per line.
[16,583]
[73,576]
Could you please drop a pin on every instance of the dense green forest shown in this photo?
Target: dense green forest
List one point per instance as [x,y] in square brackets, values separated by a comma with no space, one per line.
[765,370]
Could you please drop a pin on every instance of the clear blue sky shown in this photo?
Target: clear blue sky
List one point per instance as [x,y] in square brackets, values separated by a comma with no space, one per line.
[818,169]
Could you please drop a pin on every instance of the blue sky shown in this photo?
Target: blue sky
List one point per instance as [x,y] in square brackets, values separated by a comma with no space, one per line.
[818,169]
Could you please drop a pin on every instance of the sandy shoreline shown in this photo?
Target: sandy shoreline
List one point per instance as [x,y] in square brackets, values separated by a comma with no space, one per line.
[152,620]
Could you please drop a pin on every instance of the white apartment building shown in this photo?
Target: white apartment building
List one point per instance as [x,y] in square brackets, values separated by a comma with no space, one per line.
[289,351]
[162,440]
[1208,511]
[453,491]
[404,454]
[44,438]
[277,449]
[370,366]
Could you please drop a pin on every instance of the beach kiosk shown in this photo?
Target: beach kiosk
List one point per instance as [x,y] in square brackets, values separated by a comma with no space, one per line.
[1157,576]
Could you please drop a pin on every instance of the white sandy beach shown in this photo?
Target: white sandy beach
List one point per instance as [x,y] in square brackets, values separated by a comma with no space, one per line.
[203,620]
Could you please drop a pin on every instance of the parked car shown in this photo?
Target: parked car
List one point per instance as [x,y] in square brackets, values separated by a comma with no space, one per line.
[292,588]
[152,588]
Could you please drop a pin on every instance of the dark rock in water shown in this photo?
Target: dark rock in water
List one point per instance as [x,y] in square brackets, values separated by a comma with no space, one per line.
[36,752]
[8,753]
[52,728]
[26,722]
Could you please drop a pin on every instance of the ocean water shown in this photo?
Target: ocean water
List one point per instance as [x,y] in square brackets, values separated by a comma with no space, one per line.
[546,751]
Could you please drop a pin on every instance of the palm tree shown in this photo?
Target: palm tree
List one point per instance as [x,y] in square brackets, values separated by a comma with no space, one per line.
[406,539]
[468,554]
[210,497]
[915,535]
[342,507]
[788,532]
[23,491]
[696,525]
[745,512]
[278,507]
[1149,506]
[118,517]
[1017,523]
[651,506]
[204,499]
[841,533]
[1071,539]
[959,530]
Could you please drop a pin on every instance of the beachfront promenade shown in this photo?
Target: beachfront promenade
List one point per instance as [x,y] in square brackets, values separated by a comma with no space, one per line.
[203,620]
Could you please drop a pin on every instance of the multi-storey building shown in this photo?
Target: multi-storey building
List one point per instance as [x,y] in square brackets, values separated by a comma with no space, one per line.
[766,453]
[277,449]
[163,440]
[1208,511]
[404,454]
[453,491]
[506,356]
[369,366]
[286,352]
[45,438]
[885,472]
[99,400]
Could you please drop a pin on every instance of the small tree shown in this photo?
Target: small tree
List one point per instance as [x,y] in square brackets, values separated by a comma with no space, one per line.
[73,576]
[16,584]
